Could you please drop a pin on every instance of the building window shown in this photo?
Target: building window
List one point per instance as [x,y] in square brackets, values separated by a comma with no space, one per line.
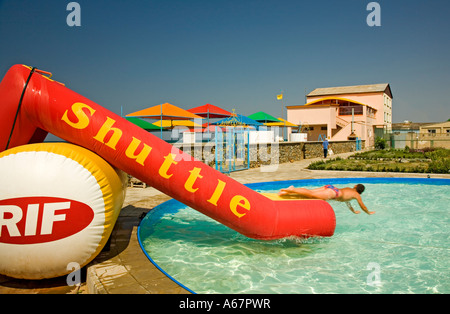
[432,132]
[324,128]
[346,109]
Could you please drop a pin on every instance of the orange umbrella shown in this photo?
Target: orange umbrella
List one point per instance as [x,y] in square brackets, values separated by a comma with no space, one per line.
[164,112]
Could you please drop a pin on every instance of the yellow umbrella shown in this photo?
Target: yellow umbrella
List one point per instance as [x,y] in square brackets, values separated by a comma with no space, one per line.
[174,123]
[281,123]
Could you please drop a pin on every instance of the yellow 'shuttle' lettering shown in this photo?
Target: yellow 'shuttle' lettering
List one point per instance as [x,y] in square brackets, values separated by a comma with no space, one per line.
[131,151]
[83,119]
[236,201]
[189,185]
[107,127]
[217,192]
[169,160]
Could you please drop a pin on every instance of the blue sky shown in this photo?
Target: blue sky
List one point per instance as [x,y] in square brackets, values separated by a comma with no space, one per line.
[236,54]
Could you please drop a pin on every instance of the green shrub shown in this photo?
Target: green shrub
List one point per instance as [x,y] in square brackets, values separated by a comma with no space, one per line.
[430,161]
[438,154]
[380,143]
[318,165]
[439,166]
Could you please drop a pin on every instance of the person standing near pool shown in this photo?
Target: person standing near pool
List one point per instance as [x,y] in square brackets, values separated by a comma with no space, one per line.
[329,192]
[325,147]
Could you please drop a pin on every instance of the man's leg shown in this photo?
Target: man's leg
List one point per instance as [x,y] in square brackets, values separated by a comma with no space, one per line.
[316,193]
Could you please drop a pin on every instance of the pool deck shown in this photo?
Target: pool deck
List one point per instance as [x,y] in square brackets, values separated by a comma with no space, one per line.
[125,269]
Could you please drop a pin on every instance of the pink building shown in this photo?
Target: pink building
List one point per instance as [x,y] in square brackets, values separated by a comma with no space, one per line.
[342,113]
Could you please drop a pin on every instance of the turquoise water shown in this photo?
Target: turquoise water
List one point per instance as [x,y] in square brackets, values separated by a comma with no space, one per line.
[403,248]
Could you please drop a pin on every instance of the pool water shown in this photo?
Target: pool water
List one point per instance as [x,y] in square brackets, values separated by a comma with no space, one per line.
[403,248]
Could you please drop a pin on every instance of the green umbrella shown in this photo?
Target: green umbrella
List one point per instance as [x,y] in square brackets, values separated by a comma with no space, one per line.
[263,117]
[143,124]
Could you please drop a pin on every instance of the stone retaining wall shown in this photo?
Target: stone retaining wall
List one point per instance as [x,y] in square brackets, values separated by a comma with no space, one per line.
[266,154]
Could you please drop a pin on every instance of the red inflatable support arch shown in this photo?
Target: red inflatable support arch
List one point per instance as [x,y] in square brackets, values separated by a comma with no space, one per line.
[32,104]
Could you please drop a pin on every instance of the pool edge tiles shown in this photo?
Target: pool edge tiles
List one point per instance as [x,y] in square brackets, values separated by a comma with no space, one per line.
[155,211]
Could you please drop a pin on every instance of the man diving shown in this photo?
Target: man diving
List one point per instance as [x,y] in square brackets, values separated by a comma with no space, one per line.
[329,192]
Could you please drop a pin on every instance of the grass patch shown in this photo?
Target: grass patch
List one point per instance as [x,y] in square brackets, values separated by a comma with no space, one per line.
[392,160]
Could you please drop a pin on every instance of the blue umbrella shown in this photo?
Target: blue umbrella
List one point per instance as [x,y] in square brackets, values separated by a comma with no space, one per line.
[237,120]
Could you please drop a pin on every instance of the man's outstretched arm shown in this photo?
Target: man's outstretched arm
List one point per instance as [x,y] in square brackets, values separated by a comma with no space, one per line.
[363,207]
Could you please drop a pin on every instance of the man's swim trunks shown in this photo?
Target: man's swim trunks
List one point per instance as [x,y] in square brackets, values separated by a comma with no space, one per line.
[335,189]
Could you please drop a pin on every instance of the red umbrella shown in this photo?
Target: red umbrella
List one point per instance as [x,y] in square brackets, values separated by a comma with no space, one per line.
[210,111]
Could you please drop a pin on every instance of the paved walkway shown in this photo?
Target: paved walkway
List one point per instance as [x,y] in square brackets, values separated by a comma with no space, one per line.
[125,269]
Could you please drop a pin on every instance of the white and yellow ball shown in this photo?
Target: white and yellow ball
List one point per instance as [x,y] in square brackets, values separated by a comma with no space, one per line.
[58,205]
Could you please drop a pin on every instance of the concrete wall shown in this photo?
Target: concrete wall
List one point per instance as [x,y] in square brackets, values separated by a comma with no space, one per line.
[276,153]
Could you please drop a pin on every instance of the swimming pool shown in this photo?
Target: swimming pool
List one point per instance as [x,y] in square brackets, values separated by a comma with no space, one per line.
[403,248]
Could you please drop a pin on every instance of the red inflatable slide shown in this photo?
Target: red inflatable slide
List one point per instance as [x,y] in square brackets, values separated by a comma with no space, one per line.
[32,105]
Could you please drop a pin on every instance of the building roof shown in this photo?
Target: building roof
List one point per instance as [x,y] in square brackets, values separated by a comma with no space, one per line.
[408,126]
[437,125]
[357,89]
[411,126]
[337,99]
[319,102]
